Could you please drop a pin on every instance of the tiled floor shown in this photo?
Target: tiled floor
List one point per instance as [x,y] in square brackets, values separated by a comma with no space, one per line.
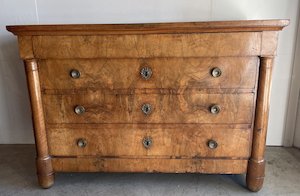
[17,177]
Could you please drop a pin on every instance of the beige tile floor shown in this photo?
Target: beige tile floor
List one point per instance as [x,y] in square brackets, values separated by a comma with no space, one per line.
[17,177]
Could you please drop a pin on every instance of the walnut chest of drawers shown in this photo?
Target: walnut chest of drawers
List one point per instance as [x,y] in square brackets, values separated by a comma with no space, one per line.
[171,97]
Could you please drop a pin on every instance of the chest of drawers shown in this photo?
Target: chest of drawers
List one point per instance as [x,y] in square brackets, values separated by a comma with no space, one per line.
[172,97]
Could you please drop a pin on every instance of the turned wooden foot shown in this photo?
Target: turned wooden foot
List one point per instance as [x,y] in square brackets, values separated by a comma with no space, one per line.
[46,181]
[44,172]
[255,175]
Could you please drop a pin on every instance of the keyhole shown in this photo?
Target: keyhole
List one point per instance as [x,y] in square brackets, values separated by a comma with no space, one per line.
[146,108]
[147,142]
[146,73]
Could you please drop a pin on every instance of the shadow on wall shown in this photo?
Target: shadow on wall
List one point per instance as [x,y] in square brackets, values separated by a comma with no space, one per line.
[15,114]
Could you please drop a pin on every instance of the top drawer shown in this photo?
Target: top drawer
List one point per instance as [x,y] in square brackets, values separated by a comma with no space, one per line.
[174,73]
[148,46]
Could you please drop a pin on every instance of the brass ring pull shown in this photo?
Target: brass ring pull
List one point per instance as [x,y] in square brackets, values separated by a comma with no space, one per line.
[74,73]
[146,108]
[215,109]
[212,144]
[147,142]
[79,109]
[146,73]
[216,72]
[81,143]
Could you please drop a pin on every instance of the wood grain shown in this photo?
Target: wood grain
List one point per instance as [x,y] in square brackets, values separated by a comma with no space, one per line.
[147,46]
[106,107]
[43,160]
[269,43]
[25,47]
[95,164]
[150,28]
[119,142]
[145,126]
[171,73]
[255,174]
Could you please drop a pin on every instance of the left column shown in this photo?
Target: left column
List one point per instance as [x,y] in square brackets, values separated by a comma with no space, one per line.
[43,160]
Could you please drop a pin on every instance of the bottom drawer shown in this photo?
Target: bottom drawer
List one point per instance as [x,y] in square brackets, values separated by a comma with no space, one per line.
[181,141]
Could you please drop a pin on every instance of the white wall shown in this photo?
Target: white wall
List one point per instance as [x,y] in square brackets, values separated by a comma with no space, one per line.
[15,121]
[293,114]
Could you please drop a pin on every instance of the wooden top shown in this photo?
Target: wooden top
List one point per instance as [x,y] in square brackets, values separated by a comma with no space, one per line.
[181,27]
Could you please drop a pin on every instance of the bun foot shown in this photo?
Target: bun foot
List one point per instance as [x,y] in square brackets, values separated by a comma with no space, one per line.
[44,172]
[255,175]
[46,181]
[254,184]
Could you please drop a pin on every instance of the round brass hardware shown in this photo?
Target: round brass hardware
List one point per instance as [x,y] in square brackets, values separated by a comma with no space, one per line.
[216,72]
[215,109]
[146,73]
[79,109]
[81,143]
[146,108]
[212,144]
[74,73]
[147,142]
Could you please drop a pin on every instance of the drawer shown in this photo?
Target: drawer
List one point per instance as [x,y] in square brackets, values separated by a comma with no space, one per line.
[189,107]
[226,72]
[148,46]
[189,141]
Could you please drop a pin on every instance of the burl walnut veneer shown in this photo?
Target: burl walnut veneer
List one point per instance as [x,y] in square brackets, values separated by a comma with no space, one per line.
[171,97]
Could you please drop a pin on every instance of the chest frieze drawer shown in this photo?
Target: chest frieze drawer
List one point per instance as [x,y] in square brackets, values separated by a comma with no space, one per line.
[225,72]
[196,107]
[145,46]
[153,142]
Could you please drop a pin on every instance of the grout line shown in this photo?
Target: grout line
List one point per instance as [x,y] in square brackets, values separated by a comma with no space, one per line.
[36,12]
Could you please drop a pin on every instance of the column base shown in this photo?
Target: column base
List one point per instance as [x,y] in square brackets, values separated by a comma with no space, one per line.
[46,181]
[45,172]
[255,175]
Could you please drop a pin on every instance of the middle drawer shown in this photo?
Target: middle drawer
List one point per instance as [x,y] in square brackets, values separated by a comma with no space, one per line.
[189,107]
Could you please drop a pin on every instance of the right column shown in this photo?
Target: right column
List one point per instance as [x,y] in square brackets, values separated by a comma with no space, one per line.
[256,165]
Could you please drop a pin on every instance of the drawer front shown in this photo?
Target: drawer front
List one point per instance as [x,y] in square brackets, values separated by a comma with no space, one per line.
[177,142]
[150,73]
[145,46]
[104,107]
